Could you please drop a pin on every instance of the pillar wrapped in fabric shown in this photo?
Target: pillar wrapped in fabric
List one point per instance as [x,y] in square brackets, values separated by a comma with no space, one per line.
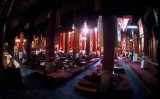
[44,43]
[37,44]
[88,43]
[91,41]
[100,29]
[83,41]
[21,45]
[94,41]
[21,42]
[76,41]
[96,38]
[66,42]
[63,41]
[16,41]
[71,40]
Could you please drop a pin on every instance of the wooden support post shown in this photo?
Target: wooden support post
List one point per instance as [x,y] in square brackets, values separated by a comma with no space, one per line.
[109,30]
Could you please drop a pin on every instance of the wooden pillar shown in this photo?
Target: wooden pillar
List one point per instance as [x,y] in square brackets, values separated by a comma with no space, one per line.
[109,30]
[50,39]
[88,43]
[66,43]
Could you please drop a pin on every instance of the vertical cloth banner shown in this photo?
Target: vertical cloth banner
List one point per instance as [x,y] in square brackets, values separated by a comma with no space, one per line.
[21,42]
[76,41]
[100,29]
[83,41]
[71,40]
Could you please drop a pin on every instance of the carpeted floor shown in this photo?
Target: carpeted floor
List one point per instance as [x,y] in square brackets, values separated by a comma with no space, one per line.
[139,91]
[37,87]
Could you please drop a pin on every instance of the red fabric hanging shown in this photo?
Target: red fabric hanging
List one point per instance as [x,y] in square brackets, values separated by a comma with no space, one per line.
[94,41]
[76,41]
[71,40]
[83,41]
[63,41]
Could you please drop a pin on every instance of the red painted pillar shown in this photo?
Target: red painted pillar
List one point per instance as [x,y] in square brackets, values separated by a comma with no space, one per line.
[66,43]
[96,38]
[71,40]
[88,43]
[109,31]
[63,41]
[94,41]
[21,42]
[37,44]
[44,44]
[21,45]
[83,41]
[76,43]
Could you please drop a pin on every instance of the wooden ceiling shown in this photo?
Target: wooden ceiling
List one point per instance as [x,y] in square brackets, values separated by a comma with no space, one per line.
[36,11]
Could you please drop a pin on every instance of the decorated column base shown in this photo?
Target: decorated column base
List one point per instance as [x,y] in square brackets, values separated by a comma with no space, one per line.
[20,55]
[76,55]
[144,62]
[106,79]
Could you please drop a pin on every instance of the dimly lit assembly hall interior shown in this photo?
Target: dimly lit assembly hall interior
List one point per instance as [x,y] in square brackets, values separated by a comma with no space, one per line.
[79,49]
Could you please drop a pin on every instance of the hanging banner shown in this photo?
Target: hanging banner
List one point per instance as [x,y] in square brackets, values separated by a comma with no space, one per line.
[76,40]
[100,30]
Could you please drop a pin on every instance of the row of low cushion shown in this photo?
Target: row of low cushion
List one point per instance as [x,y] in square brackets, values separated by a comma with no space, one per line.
[90,82]
[60,76]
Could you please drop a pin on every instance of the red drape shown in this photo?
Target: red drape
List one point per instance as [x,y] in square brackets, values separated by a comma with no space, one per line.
[63,41]
[37,44]
[94,41]
[21,42]
[83,41]
[71,40]
[76,41]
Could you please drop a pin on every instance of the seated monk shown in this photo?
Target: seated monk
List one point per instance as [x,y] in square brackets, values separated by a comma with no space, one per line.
[59,65]
[78,61]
